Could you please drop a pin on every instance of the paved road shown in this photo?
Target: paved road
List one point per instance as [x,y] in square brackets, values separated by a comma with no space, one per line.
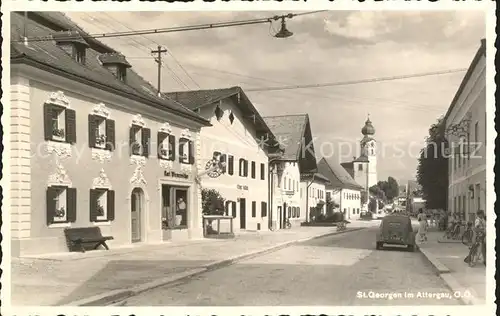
[336,270]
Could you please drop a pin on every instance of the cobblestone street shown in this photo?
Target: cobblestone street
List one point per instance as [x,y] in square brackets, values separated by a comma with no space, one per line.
[335,270]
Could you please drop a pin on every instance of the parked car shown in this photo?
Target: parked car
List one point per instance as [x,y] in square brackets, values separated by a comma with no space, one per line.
[396,229]
[381,214]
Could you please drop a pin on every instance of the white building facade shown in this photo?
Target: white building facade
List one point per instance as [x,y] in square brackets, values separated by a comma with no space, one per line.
[466,133]
[233,138]
[313,188]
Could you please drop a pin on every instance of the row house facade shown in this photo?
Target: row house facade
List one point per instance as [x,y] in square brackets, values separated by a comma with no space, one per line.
[289,196]
[342,189]
[240,138]
[93,145]
[314,199]
[466,124]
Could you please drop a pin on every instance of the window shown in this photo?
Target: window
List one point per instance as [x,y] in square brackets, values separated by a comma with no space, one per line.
[254,209]
[360,167]
[284,183]
[102,205]
[139,140]
[263,209]
[61,205]
[121,74]
[243,168]
[79,54]
[262,171]
[60,124]
[101,133]
[476,133]
[298,211]
[289,184]
[186,151]
[230,165]
[166,146]
[253,170]
[293,185]
[289,212]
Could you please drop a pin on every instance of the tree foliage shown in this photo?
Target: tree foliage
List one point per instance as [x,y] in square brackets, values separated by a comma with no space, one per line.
[432,170]
[212,202]
[373,205]
[386,190]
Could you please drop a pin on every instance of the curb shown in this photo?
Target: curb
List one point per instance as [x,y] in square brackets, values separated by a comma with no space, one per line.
[451,282]
[116,296]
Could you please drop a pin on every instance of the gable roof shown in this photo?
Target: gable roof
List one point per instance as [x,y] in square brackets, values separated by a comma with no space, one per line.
[197,99]
[48,56]
[337,175]
[289,129]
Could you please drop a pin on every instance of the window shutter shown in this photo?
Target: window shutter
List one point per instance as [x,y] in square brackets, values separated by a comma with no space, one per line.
[51,204]
[254,209]
[171,144]
[110,135]
[253,170]
[132,142]
[111,205]
[298,210]
[263,209]
[145,142]
[191,152]
[230,165]
[47,121]
[233,209]
[223,159]
[94,195]
[70,122]
[71,204]
[289,212]
[161,136]
[182,141]
[92,130]
[262,171]
[245,168]
[226,207]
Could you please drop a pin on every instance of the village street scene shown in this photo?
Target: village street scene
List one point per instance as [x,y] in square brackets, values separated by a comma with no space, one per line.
[248,158]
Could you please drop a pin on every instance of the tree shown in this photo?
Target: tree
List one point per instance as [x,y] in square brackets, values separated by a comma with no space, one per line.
[391,189]
[432,170]
[377,192]
[364,197]
[212,203]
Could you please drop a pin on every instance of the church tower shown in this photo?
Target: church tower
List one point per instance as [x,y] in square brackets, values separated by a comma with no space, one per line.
[369,150]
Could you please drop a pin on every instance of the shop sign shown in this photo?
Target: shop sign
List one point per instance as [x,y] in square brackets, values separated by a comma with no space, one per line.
[176,175]
[242,187]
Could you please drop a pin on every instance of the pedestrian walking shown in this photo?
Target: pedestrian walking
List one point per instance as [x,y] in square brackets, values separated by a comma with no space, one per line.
[480,231]
[422,225]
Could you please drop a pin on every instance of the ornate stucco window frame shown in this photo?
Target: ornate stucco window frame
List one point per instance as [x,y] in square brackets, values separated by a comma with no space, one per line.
[100,153]
[102,182]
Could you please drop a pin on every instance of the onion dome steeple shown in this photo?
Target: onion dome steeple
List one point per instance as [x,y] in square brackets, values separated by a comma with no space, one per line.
[368,129]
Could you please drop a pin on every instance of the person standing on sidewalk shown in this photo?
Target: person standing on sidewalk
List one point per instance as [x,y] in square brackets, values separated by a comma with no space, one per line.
[422,225]
[480,231]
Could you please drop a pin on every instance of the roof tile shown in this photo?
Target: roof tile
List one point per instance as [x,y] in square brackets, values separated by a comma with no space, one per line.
[289,130]
[338,176]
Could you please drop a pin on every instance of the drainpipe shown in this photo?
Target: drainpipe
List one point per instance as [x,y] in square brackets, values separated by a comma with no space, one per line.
[270,181]
[307,198]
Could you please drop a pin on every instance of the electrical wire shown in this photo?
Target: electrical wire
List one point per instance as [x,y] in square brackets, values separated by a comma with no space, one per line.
[345,83]
[195,27]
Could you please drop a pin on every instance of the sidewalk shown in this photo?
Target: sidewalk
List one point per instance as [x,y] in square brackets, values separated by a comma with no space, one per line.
[61,279]
[448,259]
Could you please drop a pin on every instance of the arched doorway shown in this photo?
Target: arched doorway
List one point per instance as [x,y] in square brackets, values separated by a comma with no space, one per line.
[137,210]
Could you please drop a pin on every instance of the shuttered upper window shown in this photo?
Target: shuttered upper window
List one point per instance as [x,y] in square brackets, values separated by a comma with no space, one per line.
[59,123]
[101,133]
[166,146]
[140,138]
[186,151]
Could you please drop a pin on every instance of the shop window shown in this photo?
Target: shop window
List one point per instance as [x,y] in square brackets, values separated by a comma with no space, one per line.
[60,123]
[102,205]
[101,132]
[243,164]
[166,146]
[263,209]
[186,151]
[254,209]
[262,171]
[175,207]
[230,165]
[61,205]
[139,141]
[253,170]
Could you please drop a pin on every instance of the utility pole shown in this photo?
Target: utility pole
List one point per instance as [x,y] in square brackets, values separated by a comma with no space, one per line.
[159,51]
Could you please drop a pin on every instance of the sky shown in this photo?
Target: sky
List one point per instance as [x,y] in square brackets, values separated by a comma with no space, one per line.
[333,46]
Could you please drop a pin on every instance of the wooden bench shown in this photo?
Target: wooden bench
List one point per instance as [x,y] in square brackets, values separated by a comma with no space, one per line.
[82,238]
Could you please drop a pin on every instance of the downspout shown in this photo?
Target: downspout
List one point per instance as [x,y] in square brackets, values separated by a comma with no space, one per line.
[307,198]
[270,197]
